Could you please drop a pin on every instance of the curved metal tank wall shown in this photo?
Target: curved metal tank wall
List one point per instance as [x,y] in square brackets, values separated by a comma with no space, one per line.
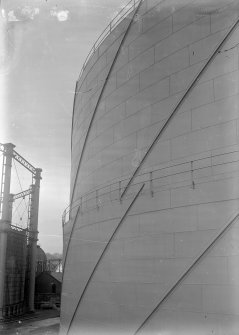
[124,96]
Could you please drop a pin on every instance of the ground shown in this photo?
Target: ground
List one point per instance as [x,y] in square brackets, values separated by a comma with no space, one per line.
[42,322]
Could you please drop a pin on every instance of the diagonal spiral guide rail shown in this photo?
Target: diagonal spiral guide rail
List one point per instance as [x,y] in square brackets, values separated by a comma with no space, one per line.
[103,253]
[91,122]
[216,238]
[179,104]
[101,94]
[195,262]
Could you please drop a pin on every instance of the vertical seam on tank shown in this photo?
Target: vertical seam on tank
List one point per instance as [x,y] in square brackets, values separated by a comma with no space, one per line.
[189,269]
[100,96]
[189,89]
[102,255]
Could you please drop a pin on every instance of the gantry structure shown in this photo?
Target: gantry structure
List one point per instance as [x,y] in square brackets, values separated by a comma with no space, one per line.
[6,202]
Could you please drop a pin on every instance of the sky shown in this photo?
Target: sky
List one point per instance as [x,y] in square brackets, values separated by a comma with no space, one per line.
[43,44]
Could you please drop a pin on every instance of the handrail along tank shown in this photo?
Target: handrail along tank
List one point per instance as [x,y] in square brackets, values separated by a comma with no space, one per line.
[151,234]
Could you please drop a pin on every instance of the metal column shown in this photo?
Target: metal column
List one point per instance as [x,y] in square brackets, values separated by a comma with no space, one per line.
[5,218]
[33,237]
[10,206]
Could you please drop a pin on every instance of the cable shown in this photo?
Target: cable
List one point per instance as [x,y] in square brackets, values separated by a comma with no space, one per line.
[16,209]
[23,213]
[19,182]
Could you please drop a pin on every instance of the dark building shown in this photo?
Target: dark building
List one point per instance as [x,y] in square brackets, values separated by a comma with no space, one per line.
[48,282]
[48,289]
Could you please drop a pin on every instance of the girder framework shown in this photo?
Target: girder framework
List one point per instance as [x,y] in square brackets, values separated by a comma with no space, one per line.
[22,194]
[6,200]
[24,162]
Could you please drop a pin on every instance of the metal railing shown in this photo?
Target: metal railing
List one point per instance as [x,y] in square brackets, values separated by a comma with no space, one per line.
[113,23]
[13,309]
[164,127]
[113,191]
[18,228]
